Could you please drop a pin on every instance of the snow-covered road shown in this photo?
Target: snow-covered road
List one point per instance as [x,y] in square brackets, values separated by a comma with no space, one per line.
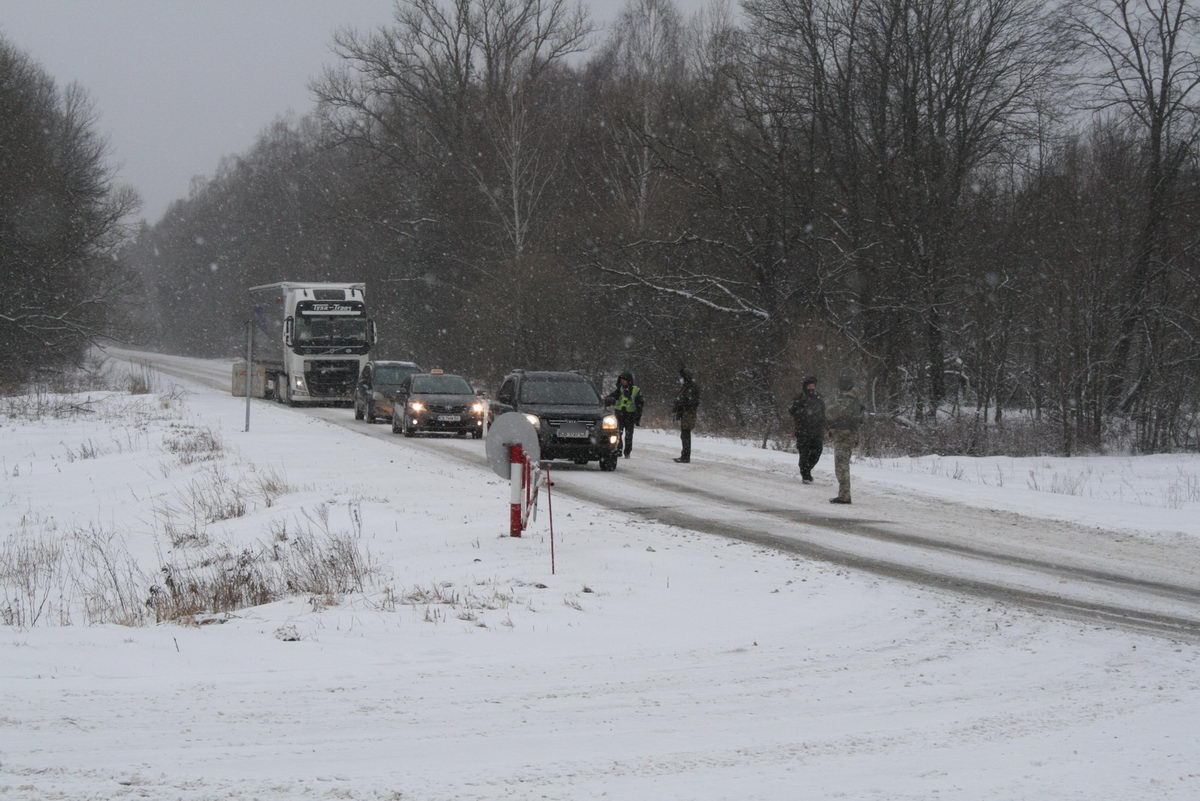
[1055,567]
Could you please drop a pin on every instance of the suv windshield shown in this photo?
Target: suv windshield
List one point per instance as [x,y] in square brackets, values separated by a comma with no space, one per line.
[559,392]
[441,385]
[393,373]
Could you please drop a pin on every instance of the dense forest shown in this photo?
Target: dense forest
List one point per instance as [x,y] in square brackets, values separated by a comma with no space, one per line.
[985,210]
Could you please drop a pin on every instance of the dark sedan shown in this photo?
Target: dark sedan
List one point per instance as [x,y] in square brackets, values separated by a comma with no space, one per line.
[437,402]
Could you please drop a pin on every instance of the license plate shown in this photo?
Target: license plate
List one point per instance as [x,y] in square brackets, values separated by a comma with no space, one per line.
[572,432]
[448,418]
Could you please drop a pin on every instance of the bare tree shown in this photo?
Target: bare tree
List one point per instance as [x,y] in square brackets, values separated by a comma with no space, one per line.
[464,95]
[915,96]
[459,81]
[646,52]
[1146,65]
[62,219]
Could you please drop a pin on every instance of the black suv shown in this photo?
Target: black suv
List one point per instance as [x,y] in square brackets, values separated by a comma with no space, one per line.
[376,388]
[571,420]
[437,401]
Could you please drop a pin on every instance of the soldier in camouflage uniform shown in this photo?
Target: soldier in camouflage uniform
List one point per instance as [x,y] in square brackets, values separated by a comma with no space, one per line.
[844,419]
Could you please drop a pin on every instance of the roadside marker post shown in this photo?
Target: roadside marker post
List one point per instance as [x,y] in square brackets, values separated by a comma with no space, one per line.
[514,453]
[518,469]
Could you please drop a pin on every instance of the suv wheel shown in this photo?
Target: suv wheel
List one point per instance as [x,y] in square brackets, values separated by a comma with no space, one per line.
[370,413]
[408,432]
[358,413]
[395,424]
[609,463]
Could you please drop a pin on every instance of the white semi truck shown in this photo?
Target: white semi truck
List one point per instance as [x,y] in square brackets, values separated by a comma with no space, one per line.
[309,341]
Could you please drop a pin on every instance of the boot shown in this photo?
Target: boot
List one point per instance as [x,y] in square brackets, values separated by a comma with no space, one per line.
[839,500]
[683,460]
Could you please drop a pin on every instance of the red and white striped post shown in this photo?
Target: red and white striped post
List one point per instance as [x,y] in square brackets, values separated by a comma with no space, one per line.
[516,475]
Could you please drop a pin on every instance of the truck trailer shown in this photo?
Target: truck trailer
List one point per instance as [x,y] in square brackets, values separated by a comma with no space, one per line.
[309,342]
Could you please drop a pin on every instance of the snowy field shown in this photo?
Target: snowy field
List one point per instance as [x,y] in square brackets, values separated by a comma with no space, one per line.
[655,663]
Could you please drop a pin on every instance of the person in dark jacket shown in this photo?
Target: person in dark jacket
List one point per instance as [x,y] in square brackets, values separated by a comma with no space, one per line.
[627,401]
[684,408]
[845,418]
[808,414]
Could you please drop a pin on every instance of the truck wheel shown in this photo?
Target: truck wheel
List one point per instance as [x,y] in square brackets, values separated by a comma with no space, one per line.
[358,413]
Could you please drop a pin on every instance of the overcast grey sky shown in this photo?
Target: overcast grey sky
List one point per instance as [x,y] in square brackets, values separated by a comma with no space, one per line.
[180,83]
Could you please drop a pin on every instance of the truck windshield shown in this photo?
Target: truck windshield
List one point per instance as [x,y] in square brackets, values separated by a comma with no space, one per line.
[441,385]
[315,329]
[561,392]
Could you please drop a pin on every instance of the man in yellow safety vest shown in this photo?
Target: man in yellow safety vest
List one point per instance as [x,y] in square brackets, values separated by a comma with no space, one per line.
[627,401]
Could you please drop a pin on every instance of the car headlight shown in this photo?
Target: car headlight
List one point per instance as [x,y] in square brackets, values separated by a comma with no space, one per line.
[477,408]
[416,406]
[609,423]
[534,420]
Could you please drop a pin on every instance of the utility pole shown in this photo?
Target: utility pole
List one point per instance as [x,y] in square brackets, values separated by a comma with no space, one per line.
[249,363]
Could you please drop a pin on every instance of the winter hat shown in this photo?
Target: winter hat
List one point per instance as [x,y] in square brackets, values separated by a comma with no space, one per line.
[809,380]
[846,383]
[627,376]
[684,374]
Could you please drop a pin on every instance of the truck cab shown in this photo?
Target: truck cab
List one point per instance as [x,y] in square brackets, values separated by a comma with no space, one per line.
[315,339]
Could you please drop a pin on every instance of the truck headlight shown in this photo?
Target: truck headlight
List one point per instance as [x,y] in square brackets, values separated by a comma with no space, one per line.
[609,423]
[299,381]
[534,420]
